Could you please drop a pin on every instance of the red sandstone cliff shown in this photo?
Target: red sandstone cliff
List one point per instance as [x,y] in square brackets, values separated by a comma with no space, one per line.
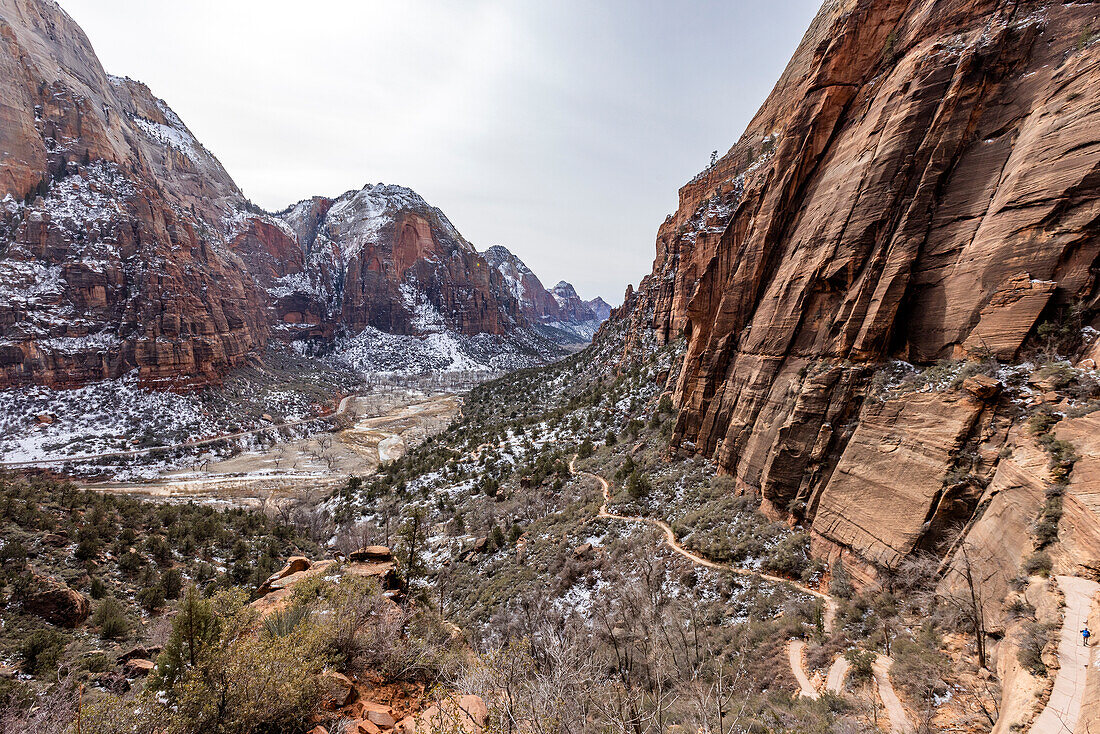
[922,184]
[125,245]
[105,262]
[379,257]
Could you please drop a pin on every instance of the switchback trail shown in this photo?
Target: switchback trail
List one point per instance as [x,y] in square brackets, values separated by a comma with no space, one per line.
[899,720]
[674,544]
[795,651]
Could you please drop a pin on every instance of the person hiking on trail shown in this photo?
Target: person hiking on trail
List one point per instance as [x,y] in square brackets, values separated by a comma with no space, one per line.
[1085,635]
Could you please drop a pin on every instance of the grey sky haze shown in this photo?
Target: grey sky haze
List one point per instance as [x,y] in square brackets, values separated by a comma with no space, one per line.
[561,129]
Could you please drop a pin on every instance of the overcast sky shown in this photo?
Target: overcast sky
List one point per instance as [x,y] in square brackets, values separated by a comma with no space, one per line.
[561,129]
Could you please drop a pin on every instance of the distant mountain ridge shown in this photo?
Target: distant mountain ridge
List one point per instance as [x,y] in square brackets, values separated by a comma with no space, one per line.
[560,310]
[125,245]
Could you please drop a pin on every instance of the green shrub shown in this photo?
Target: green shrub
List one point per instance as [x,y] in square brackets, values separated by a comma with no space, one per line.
[919,666]
[840,583]
[171,582]
[1033,640]
[637,485]
[861,662]
[790,556]
[41,650]
[151,598]
[97,663]
[1039,563]
[283,622]
[110,617]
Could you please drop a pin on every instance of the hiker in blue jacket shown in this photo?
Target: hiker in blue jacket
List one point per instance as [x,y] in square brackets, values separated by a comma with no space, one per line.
[1085,635]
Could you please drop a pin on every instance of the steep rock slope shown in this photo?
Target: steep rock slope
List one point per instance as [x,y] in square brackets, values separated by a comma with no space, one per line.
[922,184]
[105,261]
[600,307]
[125,245]
[385,281]
[561,310]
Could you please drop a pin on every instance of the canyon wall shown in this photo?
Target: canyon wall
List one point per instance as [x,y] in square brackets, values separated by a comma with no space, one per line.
[105,262]
[922,185]
[125,245]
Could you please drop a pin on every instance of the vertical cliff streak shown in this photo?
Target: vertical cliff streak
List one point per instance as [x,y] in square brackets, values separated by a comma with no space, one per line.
[921,185]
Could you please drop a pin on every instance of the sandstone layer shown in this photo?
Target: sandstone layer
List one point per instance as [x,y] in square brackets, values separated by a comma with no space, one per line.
[106,262]
[923,184]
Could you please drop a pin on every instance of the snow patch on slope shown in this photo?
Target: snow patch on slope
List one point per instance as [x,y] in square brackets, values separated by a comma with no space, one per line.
[179,139]
[358,218]
[375,351]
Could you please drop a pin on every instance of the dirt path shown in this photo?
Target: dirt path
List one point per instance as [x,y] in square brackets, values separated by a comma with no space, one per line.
[838,671]
[899,719]
[1064,707]
[674,544]
[795,650]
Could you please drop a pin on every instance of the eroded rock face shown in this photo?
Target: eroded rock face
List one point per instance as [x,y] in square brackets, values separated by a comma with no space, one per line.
[380,257]
[889,482]
[125,245]
[107,263]
[559,308]
[1079,529]
[922,184]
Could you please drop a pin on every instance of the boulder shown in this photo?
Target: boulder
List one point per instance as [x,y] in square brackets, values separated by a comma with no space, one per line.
[582,550]
[339,690]
[982,387]
[113,682]
[294,565]
[138,667]
[55,602]
[362,707]
[371,554]
[140,651]
[466,714]
[365,726]
[381,719]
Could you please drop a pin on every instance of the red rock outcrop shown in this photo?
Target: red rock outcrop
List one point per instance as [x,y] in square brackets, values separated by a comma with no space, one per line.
[535,301]
[107,261]
[379,257]
[923,183]
[54,601]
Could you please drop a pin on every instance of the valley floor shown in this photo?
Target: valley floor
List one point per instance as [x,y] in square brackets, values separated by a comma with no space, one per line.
[376,429]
